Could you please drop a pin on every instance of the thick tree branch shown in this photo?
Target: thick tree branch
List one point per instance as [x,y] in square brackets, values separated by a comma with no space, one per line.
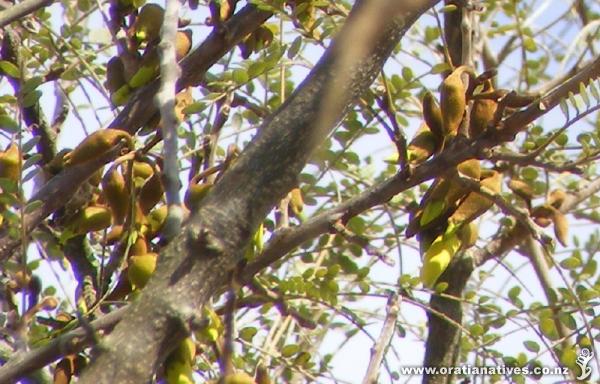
[196,263]
[378,195]
[443,338]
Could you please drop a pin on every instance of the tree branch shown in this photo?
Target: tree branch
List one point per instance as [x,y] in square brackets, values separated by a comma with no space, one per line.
[21,9]
[69,343]
[54,195]
[196,263]
[380,346]
[141,110]
[165,99]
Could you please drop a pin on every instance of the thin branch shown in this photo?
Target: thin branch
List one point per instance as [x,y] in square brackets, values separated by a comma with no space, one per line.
[280,303]
[165,98]
[71,342]
[22,9]
[380,346]
[542,270]
[55,194]
[500,246]
[362,242]
[139,110]
[519,121]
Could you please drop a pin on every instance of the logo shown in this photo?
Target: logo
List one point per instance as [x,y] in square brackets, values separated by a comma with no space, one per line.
[582,360]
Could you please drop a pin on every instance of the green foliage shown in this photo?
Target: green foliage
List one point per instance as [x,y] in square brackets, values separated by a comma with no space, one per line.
[335,284]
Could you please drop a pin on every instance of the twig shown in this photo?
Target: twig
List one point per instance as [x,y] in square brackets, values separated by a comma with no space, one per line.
[538,260]
[382,343]
[225,360]
[362,242]
[165,99]
[515,158]
[444,41]
[509,240]
[507,208]
[280,303]
[387,105]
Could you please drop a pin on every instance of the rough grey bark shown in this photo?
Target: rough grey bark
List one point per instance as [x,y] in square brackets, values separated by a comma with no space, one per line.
[197,262]
[285,240]
[443,336]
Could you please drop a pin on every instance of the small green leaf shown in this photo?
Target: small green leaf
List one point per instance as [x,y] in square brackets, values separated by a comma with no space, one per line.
[594,90]
[477,330]
[195,107]
[570,263]
[10,69]
[248,333]
[529,44]
[33,205]
[590,268]
[529,173]
[448,8]
[548,328]
[31,84]
[564,107]
[431,33]
[514,292]
[568,320]
[364,287]
[584,95]
[407,73]
[290,350]
[562,139]
[34,159]
[28,146]
[256,68]
[573,101]
[30,175]
[8,125]
[240,76]
[31,98]
[439,68]
[294,48]
[7,185]
[531,346]
[441,287]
